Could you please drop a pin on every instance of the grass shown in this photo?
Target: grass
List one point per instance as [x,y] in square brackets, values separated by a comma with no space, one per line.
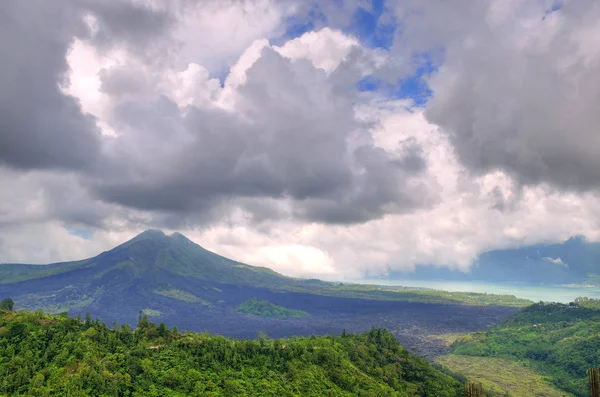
[500,375]
[181,295]
[63,300]
[14,273]
[151,312]
[404,294]
[265,308]
[556,340]
[447,339]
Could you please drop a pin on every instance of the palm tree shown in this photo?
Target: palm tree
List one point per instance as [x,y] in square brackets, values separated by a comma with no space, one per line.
[473,389]
[594,380]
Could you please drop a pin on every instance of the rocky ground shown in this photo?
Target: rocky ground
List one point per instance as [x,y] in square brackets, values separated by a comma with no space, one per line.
[415,325]
[214,310]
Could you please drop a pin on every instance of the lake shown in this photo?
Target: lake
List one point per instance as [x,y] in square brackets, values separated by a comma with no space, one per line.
[536,293]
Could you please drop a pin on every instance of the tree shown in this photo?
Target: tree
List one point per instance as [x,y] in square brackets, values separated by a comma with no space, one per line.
[473,389]
[594,381]
[163,330]
[7,305]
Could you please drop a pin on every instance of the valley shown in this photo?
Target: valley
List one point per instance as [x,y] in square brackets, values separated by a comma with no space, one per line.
[551,342]
[200,306]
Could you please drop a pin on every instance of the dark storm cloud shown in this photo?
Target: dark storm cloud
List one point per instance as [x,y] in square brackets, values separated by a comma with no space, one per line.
[40,126]
[120,81]
[519,89]
[40,196]
[292,137]
[127,22]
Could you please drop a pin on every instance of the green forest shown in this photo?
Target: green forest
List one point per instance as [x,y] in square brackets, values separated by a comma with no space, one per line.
[559,341]
[43,355]
[263,308]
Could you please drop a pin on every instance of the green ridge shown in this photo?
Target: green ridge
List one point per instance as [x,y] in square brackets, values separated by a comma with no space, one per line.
[181,295]
[42,355]
[558,341]
[265,308]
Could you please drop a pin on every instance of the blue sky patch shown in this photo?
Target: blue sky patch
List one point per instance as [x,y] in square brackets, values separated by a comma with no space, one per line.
[557,5]
[85,234]
[296,26]
[368,84]
[413,87]
[368,27]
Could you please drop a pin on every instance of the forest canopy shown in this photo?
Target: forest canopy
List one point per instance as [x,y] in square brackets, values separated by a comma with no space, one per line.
[42,355]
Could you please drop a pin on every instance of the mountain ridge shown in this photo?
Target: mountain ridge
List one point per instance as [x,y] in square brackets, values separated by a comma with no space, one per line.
[151,247]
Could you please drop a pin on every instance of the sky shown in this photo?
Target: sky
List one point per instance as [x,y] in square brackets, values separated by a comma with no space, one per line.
[319,138]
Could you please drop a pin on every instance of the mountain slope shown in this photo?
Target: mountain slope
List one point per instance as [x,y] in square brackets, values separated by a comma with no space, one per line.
[559,341]
[152,258]
[175,280]
[149,251]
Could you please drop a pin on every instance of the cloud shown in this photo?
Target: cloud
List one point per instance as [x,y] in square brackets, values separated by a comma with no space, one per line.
[326,48]
[518,88]
[40,127]
[556,261]
[214,33]
[291,135]
[21,243]
[202,117]
[132,24]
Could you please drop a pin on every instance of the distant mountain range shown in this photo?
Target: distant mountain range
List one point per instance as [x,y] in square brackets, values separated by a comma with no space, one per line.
[575,261]
[174,280]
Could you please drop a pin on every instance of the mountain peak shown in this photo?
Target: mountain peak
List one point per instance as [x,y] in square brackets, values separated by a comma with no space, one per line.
[180,237]
[158,235]
[150,234]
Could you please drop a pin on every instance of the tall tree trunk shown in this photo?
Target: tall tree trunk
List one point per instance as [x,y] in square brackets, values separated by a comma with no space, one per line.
[594,380]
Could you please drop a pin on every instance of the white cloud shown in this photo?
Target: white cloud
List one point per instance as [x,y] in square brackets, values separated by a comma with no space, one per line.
[556,261]
[326,49]
[215,33]
[50,242]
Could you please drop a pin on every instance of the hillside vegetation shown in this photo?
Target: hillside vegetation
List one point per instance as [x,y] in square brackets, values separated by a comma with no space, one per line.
[501,376]
[43,355]
[265,308]
[558,341]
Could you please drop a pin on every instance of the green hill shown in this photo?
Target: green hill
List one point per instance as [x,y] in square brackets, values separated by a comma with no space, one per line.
[42,355]
[265,308]
[558,341]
